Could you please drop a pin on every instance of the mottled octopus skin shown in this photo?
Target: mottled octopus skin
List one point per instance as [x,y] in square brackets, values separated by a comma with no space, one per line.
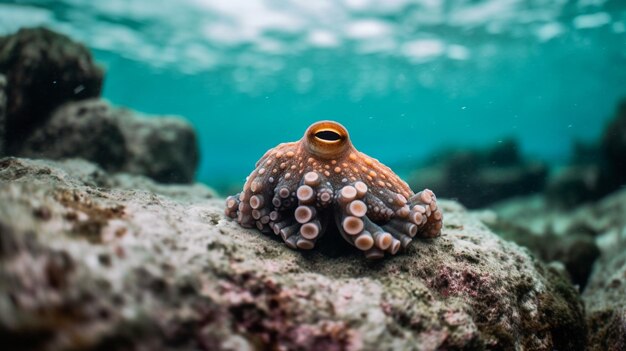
[298,187]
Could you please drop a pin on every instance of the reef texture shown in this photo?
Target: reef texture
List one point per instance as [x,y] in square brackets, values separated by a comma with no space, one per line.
[50,113]
[43,69]
[477,178]
[298,189]
[86,264]
[574,237]
[605,300]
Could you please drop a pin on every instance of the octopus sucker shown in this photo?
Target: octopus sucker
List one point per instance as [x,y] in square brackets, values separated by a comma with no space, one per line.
[297,188]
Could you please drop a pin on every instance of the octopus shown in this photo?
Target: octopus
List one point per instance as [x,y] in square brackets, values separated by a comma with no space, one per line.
[299,189]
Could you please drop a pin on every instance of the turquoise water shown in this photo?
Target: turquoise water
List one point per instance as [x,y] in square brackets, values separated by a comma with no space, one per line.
[405,77]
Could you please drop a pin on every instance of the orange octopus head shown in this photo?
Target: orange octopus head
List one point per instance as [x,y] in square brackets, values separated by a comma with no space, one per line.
[327,139]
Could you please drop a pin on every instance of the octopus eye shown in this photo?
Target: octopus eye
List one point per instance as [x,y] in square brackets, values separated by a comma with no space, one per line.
[327,139]
[328,135]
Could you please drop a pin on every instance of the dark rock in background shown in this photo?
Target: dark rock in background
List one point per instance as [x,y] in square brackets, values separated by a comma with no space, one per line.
[164,148]
[44,69]
[614,144]
[88,266]
[85,129]
[595,170]
[49,113]
[119,140]
[3,112]
[477,178]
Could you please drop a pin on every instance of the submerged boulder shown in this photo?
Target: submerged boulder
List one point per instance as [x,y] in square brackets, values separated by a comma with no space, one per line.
[47,110]
[95,261]
[86,129]
[44,69]
[163,148]
[3,112]
[477,178]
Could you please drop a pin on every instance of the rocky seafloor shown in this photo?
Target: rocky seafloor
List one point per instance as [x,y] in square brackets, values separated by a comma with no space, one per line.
[106,244]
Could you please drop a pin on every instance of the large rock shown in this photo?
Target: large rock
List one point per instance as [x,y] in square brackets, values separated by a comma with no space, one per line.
[614,144]
[605,301]
[86,129]
[3,111]
[596,169]
[477,178]
[90,261]
[44,69]
[162,148]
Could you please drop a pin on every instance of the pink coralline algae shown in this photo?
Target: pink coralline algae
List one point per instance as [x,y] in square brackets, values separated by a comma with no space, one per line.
[298,187]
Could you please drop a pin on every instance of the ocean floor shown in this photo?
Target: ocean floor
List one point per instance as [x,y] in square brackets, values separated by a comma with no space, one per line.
[107,244]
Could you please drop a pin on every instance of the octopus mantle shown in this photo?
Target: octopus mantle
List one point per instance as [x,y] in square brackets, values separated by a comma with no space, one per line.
[296,188]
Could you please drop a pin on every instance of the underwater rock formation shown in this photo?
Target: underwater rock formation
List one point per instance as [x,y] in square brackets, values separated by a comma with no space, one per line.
[614,144]
[299,187]
[85,129]
[44,69]
[605,300]
[163,148]
[86,264]
[50,81]
[535,222]
[477,178]
[3,110]
[596,169]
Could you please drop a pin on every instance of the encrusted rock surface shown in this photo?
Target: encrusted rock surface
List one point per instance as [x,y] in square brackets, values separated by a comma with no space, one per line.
[44,69]
[546,229]
[605,301]
[93,261]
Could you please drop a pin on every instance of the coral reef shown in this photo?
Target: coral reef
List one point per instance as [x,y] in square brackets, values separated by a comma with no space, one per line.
[297,188]
[477,178]
[86,264]
[43,69]
[50,114]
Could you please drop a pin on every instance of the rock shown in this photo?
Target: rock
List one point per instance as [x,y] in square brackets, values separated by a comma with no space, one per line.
[477,178]
[578,184]
[605,299]
[576,251]
[3,110]
[614,144]
[164,148]
[85,129]
[85,264]
[595,170]
[44,69]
